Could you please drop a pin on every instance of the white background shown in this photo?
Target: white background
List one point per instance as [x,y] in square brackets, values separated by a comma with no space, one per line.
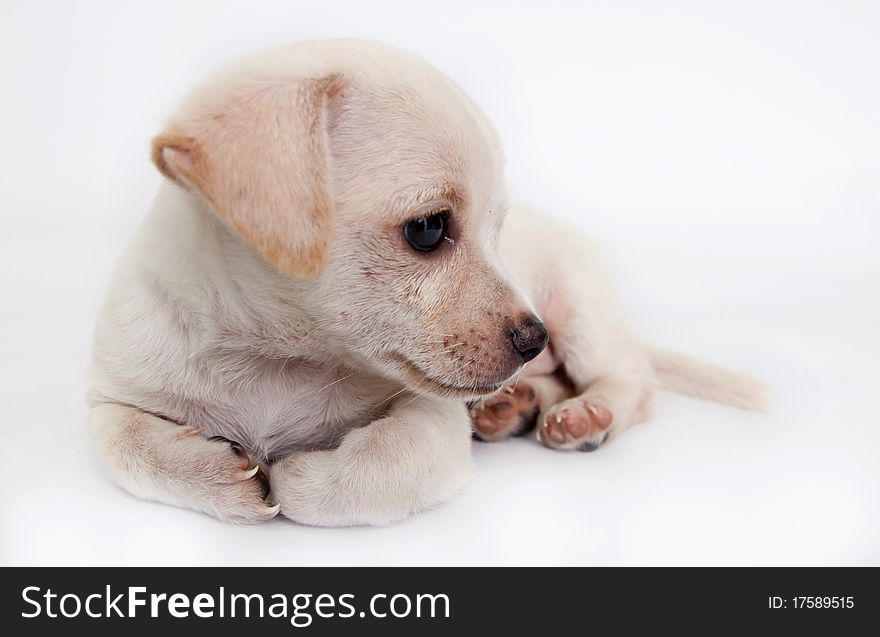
[726,155]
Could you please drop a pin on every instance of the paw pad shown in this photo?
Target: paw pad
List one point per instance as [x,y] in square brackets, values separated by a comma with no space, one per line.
[575,424]
[510,412]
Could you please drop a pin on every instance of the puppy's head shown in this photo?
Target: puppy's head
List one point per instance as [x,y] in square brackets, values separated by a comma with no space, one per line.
[372,183]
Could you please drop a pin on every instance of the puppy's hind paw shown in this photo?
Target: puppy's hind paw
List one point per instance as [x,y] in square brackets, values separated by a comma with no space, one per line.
[575,425]
[510,412]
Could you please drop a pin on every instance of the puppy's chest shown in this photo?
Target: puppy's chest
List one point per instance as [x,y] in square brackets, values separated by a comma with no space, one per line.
[276,407]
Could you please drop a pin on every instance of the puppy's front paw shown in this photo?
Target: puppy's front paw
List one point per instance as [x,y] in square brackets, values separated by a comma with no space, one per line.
[511,412]
[225,482]
[575,424]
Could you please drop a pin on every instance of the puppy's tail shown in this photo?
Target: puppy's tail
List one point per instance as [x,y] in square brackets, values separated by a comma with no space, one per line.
[691,377]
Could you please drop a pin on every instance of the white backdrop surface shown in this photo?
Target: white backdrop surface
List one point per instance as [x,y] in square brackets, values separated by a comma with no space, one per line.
[724,154]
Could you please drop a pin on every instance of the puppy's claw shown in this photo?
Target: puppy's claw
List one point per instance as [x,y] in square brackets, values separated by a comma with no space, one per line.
[246,475]
[273,510]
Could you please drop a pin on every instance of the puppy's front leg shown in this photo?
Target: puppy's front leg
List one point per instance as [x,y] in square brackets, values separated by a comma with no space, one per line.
[416,457]
[159,460]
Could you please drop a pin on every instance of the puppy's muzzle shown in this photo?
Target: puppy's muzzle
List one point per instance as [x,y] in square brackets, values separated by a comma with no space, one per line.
[529,338]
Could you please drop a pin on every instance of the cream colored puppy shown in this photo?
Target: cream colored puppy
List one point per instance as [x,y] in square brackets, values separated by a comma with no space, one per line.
[318,291]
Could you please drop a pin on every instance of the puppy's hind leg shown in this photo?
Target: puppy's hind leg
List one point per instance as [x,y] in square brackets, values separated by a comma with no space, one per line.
[611,374]
[605,407]
[156,459]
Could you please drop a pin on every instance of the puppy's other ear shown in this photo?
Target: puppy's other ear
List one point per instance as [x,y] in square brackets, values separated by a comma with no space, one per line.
[258,157]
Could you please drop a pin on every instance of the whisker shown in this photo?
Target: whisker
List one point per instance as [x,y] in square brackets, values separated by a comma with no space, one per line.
[397,393]
[338,380]
[411,401]
[516,382]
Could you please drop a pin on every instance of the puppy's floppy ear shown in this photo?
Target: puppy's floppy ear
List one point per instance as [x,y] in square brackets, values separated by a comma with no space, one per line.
[257,155]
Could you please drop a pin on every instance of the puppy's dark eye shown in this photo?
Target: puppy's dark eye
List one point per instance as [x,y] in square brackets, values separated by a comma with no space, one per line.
[427,233]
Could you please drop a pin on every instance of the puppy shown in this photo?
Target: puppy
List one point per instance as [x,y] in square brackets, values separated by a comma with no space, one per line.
[318,292]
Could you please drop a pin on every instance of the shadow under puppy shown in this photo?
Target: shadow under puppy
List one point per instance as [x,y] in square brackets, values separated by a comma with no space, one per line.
[317,293]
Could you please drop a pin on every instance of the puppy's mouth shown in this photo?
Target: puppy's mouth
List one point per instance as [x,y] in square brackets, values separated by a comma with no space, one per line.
[423,380]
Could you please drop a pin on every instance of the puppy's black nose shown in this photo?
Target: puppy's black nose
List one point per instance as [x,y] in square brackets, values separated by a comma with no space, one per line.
[529,338]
